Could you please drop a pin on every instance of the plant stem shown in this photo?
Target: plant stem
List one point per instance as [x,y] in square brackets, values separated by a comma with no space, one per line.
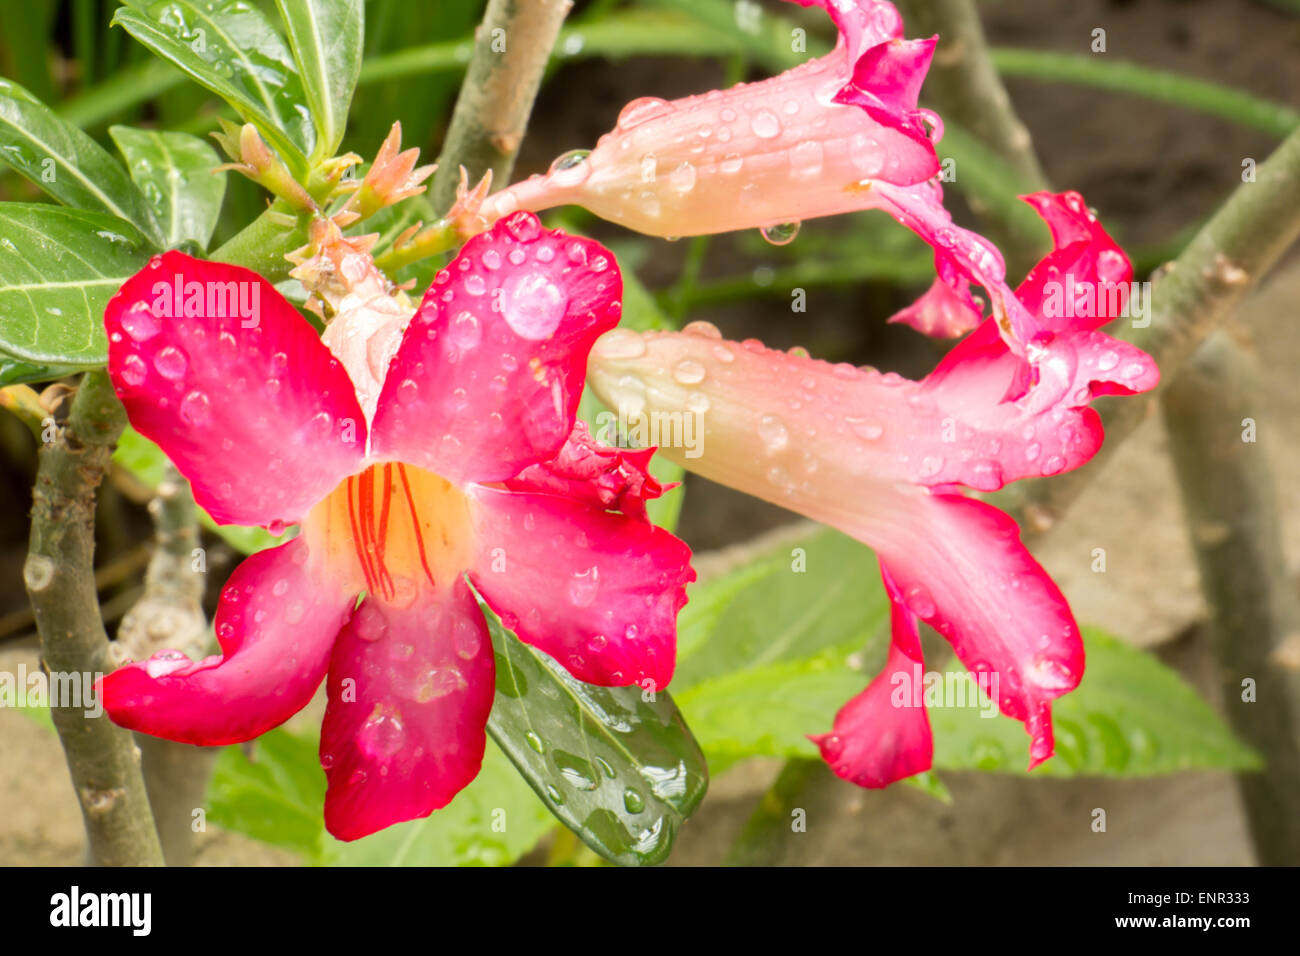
[1195,294]
[102,758]
[1120,76]
[264,242]
[169,615]
[1232,514]
[510,53]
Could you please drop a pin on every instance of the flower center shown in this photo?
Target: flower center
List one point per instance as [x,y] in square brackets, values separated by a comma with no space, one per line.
[393,529]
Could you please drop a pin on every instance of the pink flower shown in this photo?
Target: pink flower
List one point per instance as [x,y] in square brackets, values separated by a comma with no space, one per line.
[838,134]
[469,465]
[881,458]
[761,154]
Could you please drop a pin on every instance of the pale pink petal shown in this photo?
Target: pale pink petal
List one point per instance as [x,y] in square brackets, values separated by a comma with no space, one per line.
[410,689]
[883,734]
[784,149]
[487,379]
[253,410]
[279,615]
[614,479]
[597,591]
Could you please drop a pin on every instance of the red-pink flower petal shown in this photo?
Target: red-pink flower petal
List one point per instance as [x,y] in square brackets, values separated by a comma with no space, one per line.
[235,386]
[278,618]
[883,734]
[487,379]
[960,566]
[597,591]
[614,479]
[410,689]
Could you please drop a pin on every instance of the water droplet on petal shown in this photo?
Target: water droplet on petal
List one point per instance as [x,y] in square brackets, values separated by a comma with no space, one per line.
[134,371]
[532,305]
[171,363]
[196,410]
[782,234]
[765,124]
[773,433]
[688,372]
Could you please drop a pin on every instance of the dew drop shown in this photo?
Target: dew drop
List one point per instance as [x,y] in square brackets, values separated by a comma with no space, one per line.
[532,305]
[765,124]
[196,410]
[134,371]
[171,363]
[688,372]
[782,234]
[773,433]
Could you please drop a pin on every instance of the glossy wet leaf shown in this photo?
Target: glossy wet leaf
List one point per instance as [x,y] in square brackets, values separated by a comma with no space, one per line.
[621,771]
[58,269]
[231,48]
[175,173]
[326,37]
[67,164]
[1130,716]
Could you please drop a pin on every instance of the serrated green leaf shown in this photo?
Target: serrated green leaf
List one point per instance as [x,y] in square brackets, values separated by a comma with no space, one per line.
[492,822]
[1130,716]
[58,269]
[326,37]
[175,173]
[621,772]
[232,49]
[66,163]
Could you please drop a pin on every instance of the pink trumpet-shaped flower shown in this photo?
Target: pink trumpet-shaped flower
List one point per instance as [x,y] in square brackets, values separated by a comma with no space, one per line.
[468,464]
[881,458]
[838,134]
[760,154]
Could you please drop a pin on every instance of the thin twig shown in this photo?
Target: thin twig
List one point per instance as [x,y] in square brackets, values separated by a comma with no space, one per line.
[511,50]
[1217,436]
[102,758]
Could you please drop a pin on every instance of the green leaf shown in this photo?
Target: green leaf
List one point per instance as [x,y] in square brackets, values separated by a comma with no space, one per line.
[15,371]
[277,797]
[769,710]
[802,594]
[231,48]
[764,647]
[58,269]
[326,37]
[492,822]
[1130,716]
[175,173]
[621,772]
[66,163]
